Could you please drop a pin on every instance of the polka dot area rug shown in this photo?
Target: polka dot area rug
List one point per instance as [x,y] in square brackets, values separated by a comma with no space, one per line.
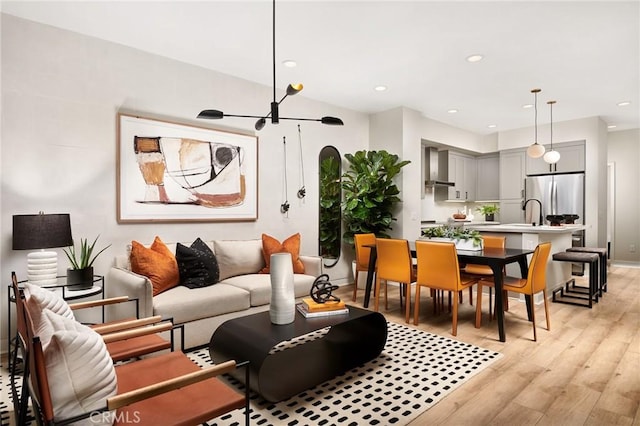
[414,371]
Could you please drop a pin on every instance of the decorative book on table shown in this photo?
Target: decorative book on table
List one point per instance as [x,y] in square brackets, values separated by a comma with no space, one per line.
[313,306]
[302,308]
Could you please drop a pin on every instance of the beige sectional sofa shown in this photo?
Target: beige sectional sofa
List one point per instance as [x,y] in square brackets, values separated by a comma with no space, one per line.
[240,291]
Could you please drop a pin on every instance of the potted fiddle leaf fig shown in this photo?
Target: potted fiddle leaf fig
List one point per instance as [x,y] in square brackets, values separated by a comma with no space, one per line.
[370,194]
[80,275]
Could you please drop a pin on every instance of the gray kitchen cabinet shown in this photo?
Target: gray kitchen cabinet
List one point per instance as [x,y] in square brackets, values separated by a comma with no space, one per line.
[460,169]
[488,177]
[571,160]
[512,175]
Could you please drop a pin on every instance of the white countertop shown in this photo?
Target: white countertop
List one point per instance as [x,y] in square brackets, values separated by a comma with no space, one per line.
[526,228]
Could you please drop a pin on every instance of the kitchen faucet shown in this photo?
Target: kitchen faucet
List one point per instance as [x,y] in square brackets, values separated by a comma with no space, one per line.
[524,207]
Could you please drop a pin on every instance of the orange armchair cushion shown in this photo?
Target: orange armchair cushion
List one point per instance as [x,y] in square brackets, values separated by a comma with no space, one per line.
[291,245]
[157,263]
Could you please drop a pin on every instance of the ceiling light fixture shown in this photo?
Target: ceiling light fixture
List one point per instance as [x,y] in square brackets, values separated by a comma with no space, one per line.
[624,103]
[611,126]
[527,106]
[290,63]
[380,88]
[535,150]
[551,156]
[292,89]
[452,111]
[492,126]
[474,58]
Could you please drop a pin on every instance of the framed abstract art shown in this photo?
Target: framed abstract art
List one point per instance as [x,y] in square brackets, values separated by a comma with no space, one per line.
[173,172]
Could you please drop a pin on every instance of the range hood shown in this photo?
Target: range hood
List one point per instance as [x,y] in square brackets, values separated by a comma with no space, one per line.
[432,169]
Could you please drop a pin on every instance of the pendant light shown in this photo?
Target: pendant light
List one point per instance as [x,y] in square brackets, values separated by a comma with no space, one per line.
[551,156]
[274,114]
[535,150]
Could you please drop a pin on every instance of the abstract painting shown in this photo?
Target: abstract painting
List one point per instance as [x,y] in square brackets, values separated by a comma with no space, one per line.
[173,172]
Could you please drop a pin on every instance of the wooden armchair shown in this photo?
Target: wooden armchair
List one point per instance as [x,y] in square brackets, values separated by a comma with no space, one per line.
[73,378]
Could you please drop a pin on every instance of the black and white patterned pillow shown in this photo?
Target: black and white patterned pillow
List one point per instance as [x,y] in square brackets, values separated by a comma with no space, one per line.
[197,265]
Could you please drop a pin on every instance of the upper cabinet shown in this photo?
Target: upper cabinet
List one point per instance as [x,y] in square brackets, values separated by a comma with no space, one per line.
[571,160]
[512,174]
[461,170]
[488,177]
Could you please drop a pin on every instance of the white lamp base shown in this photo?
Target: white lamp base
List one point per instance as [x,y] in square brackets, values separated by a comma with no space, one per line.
[42,267]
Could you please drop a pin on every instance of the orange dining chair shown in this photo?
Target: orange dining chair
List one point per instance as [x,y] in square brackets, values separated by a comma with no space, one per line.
[362,256]
[438,269]
[535,282]
[484,271]
[394,264]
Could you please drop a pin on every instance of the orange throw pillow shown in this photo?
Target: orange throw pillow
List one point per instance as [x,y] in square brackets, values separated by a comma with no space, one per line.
[157,263]
[291,245]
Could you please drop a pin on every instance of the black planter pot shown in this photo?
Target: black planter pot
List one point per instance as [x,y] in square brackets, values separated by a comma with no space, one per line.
[489,217]
[80,279]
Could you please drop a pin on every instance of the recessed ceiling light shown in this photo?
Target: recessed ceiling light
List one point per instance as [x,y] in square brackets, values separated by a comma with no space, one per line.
[474,58]
[492,126]
[611,126]
[527,106]
[452,111]
[380,88]
[624,103]
[289,63]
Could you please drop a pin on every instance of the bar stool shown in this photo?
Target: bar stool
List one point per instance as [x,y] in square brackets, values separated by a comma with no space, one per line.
[602,252]
[570,289]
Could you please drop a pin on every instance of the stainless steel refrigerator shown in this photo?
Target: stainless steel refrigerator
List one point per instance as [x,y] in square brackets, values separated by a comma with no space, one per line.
[559,194]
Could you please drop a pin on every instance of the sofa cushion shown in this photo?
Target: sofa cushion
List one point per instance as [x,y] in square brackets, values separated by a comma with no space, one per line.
[185,304]
[291,245]
[197,265]
[259,286]
[156,262]
[238,257]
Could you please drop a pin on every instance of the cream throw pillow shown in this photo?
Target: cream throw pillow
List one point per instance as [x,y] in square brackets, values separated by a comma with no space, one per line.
[238,257]
[79,369]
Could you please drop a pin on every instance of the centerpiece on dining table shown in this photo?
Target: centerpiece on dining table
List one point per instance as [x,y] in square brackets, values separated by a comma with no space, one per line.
[464,238]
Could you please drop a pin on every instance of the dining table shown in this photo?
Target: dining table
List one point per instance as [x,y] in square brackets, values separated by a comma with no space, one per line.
[495,258]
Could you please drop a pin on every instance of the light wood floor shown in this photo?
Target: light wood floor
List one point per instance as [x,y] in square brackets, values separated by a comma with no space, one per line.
[585,371]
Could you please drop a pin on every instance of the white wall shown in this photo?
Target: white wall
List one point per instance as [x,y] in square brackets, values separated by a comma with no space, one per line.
[624,153]
[61,92]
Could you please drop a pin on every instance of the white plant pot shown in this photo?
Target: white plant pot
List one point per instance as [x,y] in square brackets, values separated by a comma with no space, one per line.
[283,301]
[460,244]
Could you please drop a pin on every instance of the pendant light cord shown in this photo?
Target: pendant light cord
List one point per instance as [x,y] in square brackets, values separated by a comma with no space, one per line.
[535,120]
[302,191]
[273,33]
[284,207]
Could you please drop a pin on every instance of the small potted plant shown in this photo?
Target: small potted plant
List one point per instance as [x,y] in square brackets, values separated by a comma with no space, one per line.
[489,211]
[80,275]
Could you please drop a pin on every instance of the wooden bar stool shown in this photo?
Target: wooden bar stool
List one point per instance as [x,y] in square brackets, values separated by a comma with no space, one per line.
[603,253]
[570,289]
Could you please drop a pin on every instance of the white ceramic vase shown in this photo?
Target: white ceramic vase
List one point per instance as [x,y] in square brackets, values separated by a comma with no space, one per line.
[283,304]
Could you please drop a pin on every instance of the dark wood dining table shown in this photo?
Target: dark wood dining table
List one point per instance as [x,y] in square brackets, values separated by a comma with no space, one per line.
[495,258]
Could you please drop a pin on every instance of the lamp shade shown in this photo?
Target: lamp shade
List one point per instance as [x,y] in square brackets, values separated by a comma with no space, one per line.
[535,150]
[551,157]
[40,231]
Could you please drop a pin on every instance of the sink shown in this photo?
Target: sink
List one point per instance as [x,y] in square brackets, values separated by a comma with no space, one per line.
[519,224]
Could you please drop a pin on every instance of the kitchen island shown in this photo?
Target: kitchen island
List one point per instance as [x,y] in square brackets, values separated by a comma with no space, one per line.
[527,236]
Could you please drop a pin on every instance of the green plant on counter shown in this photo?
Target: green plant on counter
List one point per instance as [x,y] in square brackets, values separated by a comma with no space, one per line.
[488,209]
[455,233]
[85,257]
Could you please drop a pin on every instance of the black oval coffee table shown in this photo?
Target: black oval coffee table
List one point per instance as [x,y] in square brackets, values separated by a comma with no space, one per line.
[286,359]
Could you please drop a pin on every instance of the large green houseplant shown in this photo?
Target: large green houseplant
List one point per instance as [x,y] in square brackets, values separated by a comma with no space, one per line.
[330,208]
[370,194]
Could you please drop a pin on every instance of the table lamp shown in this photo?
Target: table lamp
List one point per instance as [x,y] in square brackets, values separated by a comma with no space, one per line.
[41,231]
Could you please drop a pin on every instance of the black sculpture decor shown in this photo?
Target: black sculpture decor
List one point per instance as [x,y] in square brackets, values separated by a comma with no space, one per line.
[321,290]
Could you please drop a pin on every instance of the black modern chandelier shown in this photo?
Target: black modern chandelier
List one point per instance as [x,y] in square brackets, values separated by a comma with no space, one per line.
[292,89]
